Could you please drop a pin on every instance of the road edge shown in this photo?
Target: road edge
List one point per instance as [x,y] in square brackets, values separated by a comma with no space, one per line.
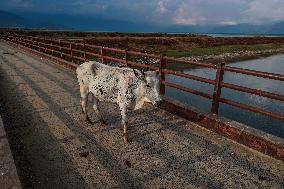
[253,138]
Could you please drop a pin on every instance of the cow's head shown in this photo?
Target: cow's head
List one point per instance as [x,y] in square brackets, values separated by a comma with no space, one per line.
[150,82]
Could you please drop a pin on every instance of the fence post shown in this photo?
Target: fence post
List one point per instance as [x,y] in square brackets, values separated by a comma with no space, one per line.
[162,75]
[84,48]
[217,88]
[21,41]
[126,56]
[33,42]
[45,46]
[102,54]
[60,48]
[24,42]
[15,39]
[38,44]
[71,51]
[51,44]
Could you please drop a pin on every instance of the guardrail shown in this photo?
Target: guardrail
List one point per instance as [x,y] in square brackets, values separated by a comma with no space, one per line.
[81,51]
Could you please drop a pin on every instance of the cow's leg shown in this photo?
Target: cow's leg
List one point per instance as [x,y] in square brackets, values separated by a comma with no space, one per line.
[84,100]
[95,107]
[124,122]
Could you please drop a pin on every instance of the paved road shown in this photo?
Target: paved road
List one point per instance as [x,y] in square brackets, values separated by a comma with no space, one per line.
[54,148]
[8,173]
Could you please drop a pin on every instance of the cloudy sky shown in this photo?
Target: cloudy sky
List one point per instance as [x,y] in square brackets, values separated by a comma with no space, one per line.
[164,12]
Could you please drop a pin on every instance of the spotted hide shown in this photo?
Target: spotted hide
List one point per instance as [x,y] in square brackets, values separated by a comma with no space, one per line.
[129,88]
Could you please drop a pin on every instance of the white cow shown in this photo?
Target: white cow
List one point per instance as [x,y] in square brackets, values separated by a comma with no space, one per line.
[127,87]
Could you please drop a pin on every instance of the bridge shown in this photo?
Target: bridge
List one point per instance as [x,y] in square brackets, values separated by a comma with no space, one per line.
[53,147]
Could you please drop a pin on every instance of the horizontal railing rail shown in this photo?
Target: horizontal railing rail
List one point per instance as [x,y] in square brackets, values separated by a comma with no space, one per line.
[79,51]
[255,73]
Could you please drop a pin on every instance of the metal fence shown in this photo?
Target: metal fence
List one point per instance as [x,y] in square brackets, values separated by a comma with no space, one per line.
[81,51]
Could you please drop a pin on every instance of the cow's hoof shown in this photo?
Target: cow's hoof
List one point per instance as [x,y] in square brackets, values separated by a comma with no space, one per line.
[88,120]
[103,122]
[126,139]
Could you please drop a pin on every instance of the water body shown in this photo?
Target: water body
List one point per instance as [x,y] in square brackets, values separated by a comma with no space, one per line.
[232,35]
[242,35]
[273,64]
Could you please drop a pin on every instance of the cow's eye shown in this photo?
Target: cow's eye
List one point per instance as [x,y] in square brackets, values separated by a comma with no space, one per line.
[147,85]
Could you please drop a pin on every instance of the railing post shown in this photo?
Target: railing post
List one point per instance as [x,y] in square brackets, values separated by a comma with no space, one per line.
[38,44]
[51,47]
[84,48]
[45,46]
[126,56]
[60,49]
[162,75]
[33,42]
[217,88]
[102,54]
[21,41]
[16,40]
[71,51]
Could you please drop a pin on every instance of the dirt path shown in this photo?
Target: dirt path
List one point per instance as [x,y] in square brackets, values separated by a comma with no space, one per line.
[54,148]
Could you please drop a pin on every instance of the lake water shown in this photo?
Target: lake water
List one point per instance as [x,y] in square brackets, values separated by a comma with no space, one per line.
[273,64]
[242,35]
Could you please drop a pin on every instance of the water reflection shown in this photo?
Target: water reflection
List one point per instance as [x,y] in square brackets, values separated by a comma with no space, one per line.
[274,64]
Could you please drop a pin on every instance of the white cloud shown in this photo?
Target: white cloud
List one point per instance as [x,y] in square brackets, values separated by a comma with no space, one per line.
[227,22]
[188,14]
[161,9]
[225,12]
[192,12]
[259,11]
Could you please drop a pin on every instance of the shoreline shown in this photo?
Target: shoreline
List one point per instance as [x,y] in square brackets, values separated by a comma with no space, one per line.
[229,58]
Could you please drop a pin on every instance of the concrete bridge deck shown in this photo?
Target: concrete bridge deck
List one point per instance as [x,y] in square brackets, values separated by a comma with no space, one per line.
[53,147]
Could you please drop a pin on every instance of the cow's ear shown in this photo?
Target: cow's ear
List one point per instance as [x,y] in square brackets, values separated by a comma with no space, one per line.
[140,75]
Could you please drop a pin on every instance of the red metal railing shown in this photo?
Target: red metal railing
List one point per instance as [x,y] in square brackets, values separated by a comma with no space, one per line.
[77,52]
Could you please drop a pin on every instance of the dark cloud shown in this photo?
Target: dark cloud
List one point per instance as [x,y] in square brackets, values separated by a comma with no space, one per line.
[183,12]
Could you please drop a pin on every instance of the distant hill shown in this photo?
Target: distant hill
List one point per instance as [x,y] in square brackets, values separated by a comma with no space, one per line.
[273,28]
[277,28]
[11,20]
[96,23]
[88,23]
[8,19]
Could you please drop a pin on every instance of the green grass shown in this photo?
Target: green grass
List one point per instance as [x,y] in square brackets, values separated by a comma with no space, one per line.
[217,51]
[220,49]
